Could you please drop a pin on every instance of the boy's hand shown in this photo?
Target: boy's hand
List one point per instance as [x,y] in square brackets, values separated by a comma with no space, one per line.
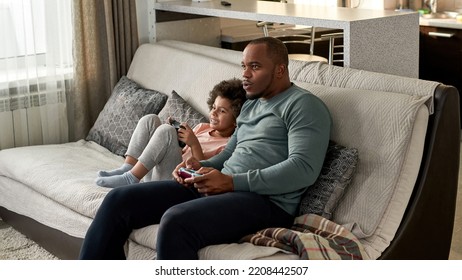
[187,136]
[191,163]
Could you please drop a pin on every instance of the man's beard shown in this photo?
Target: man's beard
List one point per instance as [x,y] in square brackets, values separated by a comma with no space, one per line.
[253,96]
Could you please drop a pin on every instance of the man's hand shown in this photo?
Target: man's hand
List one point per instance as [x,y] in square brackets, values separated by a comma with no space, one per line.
[211,182]
[191,163]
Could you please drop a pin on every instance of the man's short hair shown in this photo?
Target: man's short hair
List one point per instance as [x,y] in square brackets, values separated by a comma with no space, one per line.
[276,49]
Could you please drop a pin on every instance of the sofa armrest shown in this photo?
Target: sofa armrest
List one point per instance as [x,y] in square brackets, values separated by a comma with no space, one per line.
[426,229]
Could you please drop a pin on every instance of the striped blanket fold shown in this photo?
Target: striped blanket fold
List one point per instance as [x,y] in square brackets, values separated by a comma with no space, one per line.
[312,237]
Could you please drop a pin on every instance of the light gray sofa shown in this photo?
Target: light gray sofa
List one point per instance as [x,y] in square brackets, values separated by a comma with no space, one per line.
[400,203]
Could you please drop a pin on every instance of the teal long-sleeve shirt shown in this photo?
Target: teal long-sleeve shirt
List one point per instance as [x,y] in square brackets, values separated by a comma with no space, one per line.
[278,147]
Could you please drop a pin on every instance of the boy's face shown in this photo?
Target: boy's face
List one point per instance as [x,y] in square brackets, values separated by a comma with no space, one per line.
[221,116]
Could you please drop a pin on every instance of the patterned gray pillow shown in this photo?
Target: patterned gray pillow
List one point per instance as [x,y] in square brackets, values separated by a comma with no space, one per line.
[322,197]
[117,121]
[180,110]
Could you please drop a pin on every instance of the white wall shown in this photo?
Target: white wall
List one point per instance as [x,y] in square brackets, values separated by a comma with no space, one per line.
[188,30]
[142,13]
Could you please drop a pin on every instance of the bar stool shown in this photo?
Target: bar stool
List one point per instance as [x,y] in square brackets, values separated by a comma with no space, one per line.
[307,40]
[335,52]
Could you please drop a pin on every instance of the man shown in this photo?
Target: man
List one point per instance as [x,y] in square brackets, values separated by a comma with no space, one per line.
[276,151]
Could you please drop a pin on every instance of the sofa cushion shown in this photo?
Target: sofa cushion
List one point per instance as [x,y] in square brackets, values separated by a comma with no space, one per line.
[117,121]
[190,74]
[392,217]
[322,197]
[178,109]
[382,126]
[65,175]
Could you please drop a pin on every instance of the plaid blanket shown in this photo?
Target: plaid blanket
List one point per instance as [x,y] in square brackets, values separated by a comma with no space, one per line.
[312,237]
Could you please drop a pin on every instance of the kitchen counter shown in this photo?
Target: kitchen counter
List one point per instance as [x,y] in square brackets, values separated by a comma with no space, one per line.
[439,22]
[243,33]
[302,14]
[370,36]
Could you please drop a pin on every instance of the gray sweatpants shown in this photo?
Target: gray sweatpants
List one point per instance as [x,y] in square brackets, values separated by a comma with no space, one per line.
[155,145]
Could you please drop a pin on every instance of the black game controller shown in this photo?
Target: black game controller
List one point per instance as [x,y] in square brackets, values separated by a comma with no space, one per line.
[187,173]
[176,124]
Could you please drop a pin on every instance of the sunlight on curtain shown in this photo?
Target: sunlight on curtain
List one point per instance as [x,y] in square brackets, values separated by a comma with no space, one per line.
[35,71]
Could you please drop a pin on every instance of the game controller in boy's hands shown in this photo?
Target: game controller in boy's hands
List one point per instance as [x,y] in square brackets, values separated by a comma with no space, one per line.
[187,173]
[176,124]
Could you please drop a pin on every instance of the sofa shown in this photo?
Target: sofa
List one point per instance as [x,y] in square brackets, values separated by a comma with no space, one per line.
[395,199]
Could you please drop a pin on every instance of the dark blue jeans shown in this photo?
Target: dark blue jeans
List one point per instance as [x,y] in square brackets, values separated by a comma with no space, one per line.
[188,221]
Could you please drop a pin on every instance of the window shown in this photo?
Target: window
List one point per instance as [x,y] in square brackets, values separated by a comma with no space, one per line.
[36,66]
[36,38]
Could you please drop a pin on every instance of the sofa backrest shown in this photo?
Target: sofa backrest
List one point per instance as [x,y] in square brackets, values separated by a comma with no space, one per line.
[191,75]
[388,129]
[385,117]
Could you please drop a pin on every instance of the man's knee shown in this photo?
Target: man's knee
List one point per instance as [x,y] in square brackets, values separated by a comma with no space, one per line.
[115,200]
[175,217]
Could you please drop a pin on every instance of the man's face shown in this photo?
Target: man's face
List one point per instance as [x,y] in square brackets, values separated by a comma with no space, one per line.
[258,72]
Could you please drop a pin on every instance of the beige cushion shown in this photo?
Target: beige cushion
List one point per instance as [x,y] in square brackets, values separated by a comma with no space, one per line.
[391,219]
[381,126]
[191,75]
[343,77]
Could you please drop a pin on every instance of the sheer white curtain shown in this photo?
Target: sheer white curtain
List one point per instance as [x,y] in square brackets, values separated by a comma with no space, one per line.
[36,67]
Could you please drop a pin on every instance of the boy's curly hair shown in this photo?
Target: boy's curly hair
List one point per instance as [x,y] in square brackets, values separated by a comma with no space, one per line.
[232,90]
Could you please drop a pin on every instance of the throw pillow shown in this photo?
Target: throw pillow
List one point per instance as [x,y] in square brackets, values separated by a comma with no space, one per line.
[338,168]
[178,109]
[117,121]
